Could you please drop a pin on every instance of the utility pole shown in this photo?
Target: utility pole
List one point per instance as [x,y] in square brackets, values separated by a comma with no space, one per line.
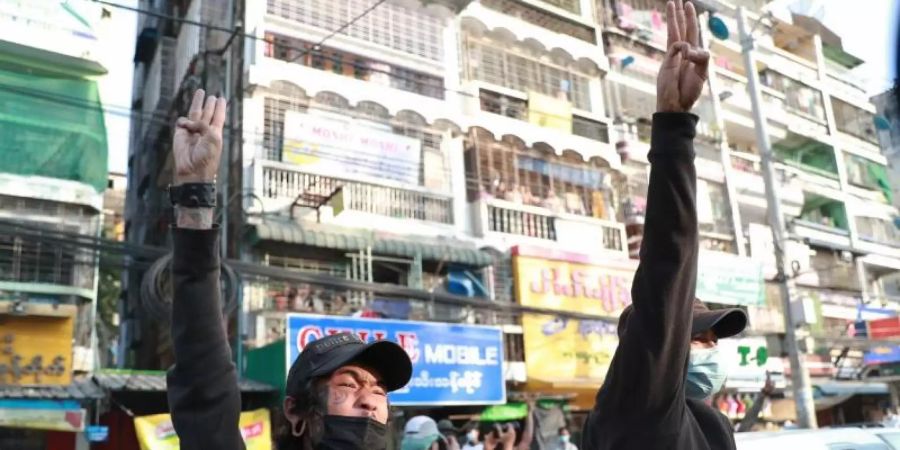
[806,412]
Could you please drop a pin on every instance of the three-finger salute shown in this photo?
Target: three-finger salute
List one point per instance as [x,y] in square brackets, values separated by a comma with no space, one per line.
[197,144]
[685,67]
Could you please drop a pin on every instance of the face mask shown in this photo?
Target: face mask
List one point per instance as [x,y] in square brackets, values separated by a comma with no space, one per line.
[564,439]
[472,436]
[706,373]
[356,433]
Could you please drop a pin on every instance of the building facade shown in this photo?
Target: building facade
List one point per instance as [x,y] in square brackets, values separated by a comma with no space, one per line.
[496,150]
[52,181]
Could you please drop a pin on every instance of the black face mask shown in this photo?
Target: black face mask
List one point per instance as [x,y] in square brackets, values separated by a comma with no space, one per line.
[353,433]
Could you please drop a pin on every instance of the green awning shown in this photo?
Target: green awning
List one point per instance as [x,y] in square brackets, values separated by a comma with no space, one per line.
[351,239]
[51,124]
[840,56]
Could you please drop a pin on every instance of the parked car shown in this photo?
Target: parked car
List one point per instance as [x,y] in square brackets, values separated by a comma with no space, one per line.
[824,439]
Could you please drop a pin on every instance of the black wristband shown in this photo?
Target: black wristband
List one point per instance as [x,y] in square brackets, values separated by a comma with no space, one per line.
[193,195]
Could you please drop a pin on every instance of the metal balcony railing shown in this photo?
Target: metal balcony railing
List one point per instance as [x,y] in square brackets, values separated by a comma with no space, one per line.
[283,182]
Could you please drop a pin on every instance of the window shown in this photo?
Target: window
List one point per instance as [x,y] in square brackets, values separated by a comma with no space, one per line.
[285,97]
[544,18]
[877,230]
[854,121]
[508,170]
[514,68]
[396,27]
[343,63]
[798,96]
[590,129]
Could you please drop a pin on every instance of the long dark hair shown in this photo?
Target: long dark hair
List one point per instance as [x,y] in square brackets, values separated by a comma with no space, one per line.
[311,405]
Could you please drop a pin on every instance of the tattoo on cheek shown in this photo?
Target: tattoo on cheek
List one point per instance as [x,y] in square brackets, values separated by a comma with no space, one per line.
[339,396]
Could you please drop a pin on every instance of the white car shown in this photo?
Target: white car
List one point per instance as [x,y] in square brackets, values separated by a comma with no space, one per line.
[825,439]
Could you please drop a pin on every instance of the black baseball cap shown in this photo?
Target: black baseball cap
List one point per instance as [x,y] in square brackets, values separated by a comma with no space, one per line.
[325,355]
[725,323]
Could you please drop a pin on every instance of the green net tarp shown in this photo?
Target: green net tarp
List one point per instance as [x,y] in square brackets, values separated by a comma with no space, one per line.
[52,125]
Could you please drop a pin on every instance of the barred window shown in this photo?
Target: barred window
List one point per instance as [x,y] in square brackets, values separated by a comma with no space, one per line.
[492,63]
[283,97]
[408,30]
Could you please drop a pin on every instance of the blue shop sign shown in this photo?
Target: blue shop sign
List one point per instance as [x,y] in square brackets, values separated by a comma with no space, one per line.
[452,364]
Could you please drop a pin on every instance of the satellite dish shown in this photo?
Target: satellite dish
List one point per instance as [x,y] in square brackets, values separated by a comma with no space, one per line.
[881,123]
[627,61]
[718,28]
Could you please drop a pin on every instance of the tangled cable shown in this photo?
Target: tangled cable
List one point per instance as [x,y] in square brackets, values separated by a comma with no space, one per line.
[156,289]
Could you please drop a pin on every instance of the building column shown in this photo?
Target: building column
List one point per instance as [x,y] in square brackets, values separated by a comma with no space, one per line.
[724,149]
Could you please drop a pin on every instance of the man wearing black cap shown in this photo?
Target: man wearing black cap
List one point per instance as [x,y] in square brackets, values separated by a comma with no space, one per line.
[336,391]
[667,365]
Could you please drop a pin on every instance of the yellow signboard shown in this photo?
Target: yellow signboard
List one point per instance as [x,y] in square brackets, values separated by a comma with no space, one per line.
[36,350]
[71,420]
[549,112]
[157,433]
[566,350]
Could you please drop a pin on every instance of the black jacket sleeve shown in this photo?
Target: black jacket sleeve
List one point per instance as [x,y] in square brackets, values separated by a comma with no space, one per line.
[645,381]
[204,398]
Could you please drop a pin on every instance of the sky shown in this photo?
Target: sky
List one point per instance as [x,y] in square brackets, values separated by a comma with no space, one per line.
[118,36]
[867,28]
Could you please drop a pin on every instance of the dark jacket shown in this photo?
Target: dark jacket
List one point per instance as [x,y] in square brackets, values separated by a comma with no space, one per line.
[642,403]
[204,398]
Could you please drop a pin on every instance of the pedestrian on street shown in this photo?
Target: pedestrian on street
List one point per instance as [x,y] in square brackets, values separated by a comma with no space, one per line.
[336,390]
[564,440]
[472,440]
[667,366]
[422,433]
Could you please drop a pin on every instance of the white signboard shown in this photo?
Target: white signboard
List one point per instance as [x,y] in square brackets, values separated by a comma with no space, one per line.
[65,27]
[345,148]
[762,249]
[748,360]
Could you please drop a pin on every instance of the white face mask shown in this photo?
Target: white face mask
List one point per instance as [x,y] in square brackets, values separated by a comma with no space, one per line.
[472,436]
[706,373]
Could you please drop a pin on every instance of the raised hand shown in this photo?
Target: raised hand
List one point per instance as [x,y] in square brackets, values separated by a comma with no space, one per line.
[686,66]
[197,144]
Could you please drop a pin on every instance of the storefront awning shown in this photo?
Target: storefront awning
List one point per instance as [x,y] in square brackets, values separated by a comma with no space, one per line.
[79,390]
[340,238]
[155,381]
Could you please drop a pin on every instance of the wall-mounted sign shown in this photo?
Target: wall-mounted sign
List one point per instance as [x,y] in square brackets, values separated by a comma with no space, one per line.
[65,415]
[346,148]
[36,350]
[729,279]
[452,364]
[157,433]
[559,349]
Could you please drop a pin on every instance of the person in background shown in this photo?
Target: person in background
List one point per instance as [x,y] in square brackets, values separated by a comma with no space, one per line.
[422,433]
[564,440]
[668,364]
[336,390]
[472,440]
[446,428]
[514,194]
[553,202]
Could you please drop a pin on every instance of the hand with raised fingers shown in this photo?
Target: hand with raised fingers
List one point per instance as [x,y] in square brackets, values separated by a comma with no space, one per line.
[685,67]
[197,144]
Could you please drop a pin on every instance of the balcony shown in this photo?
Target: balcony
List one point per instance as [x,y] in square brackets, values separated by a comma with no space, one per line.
[878,235]
[566,22]
[751,188]
[514,223]
[815,160]
[289,189]
[856,125]
[823,221]
[393,97]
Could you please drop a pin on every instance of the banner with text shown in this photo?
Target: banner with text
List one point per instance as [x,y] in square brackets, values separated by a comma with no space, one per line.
[157,433]
[559,349]
[452,364]
[345,148]
[729,279]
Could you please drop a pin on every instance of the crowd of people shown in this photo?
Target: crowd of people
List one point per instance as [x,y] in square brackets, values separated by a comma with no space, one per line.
[424,433]
[571,202]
